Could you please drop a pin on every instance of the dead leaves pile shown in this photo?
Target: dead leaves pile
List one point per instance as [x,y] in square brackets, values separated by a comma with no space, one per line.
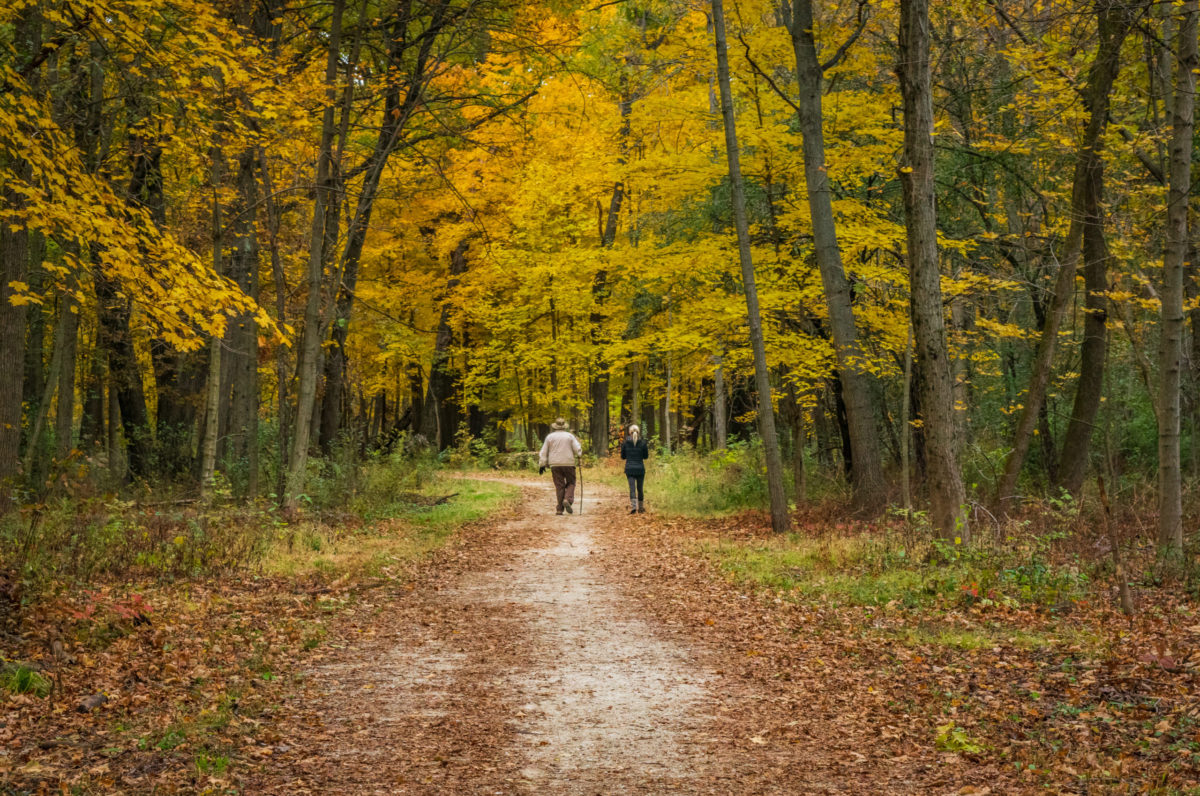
[176,696]
[1121,714]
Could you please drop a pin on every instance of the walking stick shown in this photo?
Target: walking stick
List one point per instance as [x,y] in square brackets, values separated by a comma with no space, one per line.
[579,467]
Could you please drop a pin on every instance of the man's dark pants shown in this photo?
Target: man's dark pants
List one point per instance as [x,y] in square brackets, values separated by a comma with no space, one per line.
[564,485]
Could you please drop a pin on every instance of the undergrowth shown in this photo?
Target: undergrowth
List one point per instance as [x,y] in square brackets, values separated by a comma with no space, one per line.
[881,564]
[401,532]
[390,506]
[1053,556]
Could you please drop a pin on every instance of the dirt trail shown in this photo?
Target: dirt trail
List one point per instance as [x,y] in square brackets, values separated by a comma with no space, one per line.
[607,703]
[523,668]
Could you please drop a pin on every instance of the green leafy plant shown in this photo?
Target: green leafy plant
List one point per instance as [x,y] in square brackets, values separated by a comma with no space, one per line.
[952,738]
[18,678]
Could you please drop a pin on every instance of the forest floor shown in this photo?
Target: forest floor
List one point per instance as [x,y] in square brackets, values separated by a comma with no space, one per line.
[601,653]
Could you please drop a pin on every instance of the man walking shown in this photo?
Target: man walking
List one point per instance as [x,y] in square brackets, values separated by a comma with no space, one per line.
[559,452]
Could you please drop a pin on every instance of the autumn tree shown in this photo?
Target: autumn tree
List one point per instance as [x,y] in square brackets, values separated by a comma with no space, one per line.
[934,380]
[780,520]
[1170,522]
[1085,204]
[870,490]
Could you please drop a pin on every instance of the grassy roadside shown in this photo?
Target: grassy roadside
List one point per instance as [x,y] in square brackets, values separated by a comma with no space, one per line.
[405,531]
[164,680]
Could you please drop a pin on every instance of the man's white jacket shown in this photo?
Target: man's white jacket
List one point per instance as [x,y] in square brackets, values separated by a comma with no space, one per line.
[559,450]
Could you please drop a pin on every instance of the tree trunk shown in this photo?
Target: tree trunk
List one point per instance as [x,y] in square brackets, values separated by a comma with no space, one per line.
[35,451]
[440,416]
[91,425]
[398,107]
[870,488]
[720,421]
[799,434]
[665,426]
[935,383]
[1089,388]
[1113,26]
[35,321]
[279,277]
[208,452]
[598,416]
[125,373]
[117,461]
[319,247]
[780,520]
[88,131]
[64,421]
[242,336]
[906,426]
[1192,284]
[14,260]
[1170,500]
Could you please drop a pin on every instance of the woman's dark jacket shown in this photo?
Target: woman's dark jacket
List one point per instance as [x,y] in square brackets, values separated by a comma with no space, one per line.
[634,454]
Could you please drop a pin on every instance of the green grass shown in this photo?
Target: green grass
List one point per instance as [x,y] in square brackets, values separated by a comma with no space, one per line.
[714,484]
[211,765]
[875,569]
[18,678]
[402,532]
[987,637]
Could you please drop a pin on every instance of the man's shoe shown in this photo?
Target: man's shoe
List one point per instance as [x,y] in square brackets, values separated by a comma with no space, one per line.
[558,513]
[569,509]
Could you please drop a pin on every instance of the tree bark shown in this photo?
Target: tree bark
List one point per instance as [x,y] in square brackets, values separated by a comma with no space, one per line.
[64,421]
[398,107]
[1089,388]
[870,488]
[14,263]
[439,418]
[91,425]
[35,322]
[240,359]
[1170,499]
[14,260]
[35,452]
[1113,29]
[319,247]
[208,451]
[664,407]
[780,520]
[906,426]
[125,373]
[598,415]
[935,382]
[720,419]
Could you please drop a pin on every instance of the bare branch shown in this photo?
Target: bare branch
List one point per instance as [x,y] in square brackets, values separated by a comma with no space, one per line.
[770,82]
[862,14]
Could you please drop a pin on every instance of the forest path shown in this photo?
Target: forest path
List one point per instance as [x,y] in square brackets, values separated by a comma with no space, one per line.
[537,657]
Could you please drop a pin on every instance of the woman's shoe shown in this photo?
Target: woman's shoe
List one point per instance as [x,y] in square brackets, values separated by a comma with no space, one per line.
[641,507]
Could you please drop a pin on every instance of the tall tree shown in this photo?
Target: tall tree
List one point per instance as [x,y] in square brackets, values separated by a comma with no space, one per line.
[870,489]
[934,379]
[1088,165]
[1170,502]
[319,247]
[14,262]
[780,520]
[1115,19]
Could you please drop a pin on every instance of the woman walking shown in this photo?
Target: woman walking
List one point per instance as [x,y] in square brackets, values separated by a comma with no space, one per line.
[635,451]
